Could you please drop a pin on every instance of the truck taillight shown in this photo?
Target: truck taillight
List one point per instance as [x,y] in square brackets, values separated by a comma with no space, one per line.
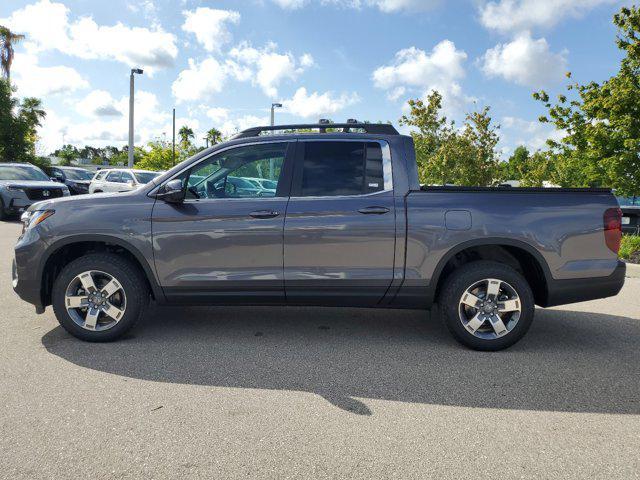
[613,228]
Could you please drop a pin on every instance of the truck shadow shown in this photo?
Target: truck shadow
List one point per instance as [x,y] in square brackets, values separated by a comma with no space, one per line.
[569,361]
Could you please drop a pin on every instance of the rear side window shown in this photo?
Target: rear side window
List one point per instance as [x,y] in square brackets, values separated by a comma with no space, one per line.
[341,168]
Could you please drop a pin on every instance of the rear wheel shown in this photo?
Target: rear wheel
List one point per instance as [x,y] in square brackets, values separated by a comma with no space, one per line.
[99,297]
[487,305]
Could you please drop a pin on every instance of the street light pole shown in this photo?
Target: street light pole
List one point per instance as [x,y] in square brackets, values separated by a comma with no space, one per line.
[273,116]
[133,71]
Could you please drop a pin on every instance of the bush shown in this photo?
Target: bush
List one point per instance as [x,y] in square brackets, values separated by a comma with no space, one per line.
[630,248]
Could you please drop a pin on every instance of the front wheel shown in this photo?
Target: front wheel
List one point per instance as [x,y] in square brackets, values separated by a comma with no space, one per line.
[99,297]
[487,305]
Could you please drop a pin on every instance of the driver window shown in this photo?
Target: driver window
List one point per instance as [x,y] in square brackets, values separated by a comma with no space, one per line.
[244,172]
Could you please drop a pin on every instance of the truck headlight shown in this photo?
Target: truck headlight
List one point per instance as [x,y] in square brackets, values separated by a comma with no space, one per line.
[32,218]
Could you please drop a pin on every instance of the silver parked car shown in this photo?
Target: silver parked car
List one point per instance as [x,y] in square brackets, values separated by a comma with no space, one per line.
[120,180]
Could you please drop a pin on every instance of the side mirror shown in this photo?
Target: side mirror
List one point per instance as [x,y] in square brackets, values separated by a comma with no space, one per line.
[171,191]
[131,183]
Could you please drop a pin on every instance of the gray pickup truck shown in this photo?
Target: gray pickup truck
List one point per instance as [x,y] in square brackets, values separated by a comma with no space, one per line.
[346,223]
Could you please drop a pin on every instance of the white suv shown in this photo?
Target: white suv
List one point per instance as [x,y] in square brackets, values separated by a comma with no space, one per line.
[120,180]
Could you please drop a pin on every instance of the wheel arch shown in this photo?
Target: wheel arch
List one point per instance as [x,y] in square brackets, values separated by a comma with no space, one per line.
[520,255]
[62,252]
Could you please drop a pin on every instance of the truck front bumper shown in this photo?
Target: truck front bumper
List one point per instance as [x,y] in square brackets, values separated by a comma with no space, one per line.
[561,292]
[26,269]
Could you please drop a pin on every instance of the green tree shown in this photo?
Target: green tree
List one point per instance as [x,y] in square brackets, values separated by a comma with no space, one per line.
[602,121]
[7,40]
[186,135]
[67,154]
[213,136]
[18,125]
[446,154]
[157,156]
[32,114]
[515,166]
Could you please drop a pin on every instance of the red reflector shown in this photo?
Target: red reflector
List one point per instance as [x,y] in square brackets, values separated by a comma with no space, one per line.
[613,228]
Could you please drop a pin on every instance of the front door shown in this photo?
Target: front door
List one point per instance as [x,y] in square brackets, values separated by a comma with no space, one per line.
[339,236]
[223,244]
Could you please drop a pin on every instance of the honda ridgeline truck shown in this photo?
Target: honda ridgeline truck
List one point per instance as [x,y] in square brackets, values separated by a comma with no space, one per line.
[345,224]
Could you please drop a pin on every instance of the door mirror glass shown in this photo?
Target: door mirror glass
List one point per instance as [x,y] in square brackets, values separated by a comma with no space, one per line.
[171,191]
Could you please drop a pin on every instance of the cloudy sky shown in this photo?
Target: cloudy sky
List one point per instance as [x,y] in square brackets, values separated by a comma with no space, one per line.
[222,63]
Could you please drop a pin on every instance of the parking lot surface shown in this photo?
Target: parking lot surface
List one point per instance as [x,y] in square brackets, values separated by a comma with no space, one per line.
[318,393]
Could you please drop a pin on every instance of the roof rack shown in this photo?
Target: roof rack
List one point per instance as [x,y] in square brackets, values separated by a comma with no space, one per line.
[375,128]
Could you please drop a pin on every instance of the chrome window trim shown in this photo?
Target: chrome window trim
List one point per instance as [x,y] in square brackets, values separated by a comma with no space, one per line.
[387,169]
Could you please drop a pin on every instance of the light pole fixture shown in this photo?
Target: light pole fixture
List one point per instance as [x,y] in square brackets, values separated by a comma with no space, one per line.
[273,107]
[139,71]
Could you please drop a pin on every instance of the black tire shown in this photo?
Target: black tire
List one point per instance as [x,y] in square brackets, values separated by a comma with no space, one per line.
[3,212]
[127,274]
[467,275]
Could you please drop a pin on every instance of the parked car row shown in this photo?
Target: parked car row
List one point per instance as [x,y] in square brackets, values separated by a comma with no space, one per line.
[630,207]
[22,184]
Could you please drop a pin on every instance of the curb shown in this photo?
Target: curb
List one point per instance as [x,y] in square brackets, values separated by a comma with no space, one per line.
[633,270]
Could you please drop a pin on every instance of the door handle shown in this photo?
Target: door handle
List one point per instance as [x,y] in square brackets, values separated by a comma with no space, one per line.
[373,210]
[264,214]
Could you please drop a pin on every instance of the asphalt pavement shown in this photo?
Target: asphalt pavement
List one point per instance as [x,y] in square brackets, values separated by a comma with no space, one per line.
[318,393]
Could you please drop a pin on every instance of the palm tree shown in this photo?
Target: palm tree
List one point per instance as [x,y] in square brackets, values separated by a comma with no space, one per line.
[31,109]
[213,136]
[186,134]
[7,40]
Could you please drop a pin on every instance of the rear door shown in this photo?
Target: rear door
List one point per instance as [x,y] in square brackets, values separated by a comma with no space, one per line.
[112,182]
[223,244]
[339,234]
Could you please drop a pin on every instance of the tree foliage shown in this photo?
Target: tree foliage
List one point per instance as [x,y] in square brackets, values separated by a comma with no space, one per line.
[19,121]
[448,155]
[602,121]
[7,41]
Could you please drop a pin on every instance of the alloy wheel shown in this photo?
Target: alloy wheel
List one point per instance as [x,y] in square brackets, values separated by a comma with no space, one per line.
[95,300]
[489,308]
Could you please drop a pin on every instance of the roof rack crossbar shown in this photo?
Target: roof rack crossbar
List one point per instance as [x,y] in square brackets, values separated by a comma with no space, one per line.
[374,128]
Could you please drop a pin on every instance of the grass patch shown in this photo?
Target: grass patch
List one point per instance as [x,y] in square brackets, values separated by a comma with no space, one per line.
[630,248]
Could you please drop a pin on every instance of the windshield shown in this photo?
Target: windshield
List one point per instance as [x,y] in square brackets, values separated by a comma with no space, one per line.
[22,172]
[78,174]
[145,177]
[629,201]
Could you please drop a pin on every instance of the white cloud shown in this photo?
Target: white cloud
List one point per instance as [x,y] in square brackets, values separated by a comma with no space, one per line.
[34,80]
[47,27]
[414,67]
[525,61]
[315,104]
[209,25]
[218,114]
[387,6]
[414,70]
[231,127]
[271,67]
[518,15]
[533,134]
[98,103]
[200,80]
